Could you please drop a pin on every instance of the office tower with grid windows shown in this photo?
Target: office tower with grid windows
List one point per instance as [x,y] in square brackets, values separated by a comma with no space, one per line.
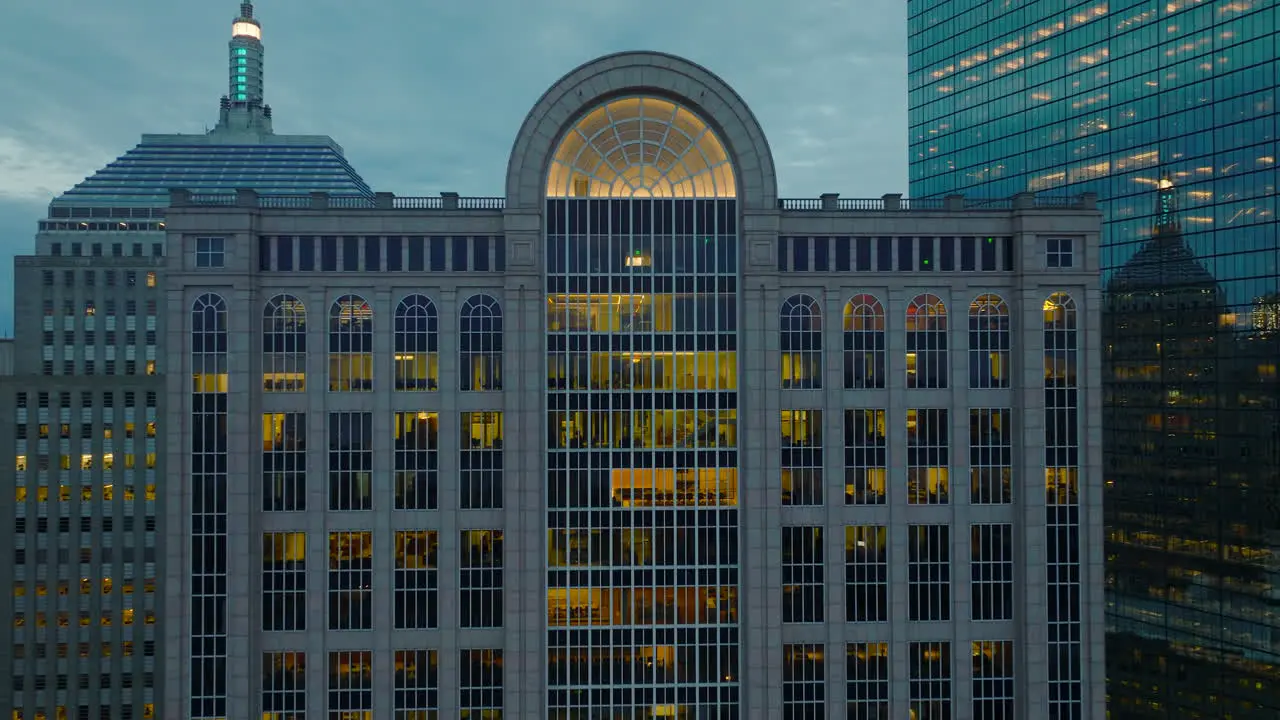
[84,477]
[638,439]
[1168,112]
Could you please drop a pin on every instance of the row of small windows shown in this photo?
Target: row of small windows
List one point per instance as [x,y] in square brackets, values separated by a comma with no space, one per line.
[929,576]
[350,340]
[89,278]
[865,342]
[89,308]
[43,399]
[373,253]
[900,254]
[76,249]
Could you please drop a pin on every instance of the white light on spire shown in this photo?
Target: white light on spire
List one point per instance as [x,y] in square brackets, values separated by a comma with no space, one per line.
[246,29]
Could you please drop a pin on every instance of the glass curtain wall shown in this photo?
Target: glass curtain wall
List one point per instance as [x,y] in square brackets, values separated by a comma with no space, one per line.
[642,453]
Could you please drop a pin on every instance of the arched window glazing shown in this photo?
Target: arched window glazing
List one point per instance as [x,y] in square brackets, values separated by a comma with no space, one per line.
[284,345]
[801,327]
[926,342]
[417,344]
[864,343]
[989,342]
[480,338]
[350,345]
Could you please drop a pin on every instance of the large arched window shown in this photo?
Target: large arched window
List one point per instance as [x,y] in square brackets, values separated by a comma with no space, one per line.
[284,345]
[640,147]
[989,340]
[864,343]
[417,344]
[480,338]
[801,322]
[926,342]
[350,345]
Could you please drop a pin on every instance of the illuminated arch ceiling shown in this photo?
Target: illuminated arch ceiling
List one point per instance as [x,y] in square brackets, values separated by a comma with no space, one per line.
[640,147]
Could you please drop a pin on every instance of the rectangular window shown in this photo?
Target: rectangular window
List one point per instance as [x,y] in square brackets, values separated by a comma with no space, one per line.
[993,679]
[395,254]
[867,681]
[284,581]
[351,580]
[990,339]
[906,254]
[884,254]
[264,253]
[373,253]
[351,685]
[822,254]
[987,253]
[866,457]
[284,462]
[328,253]
[350,461]
[284,253]
[800,254]
[990,456]
[804,681]
[480,597]
[416,580]
[417,443]
[802,577]
[417,688]
[417,254]
[925,260]
[210,252]
[947,254]
[802,457]
[284,685]
[1059,253]
[968,254]
[866,573]
[783,257]
[844,248]
[928,457]
[862,254]
[929,670]
[459,259]
[500,253]
[991,570]
[351,254]
[481,460]
[929,573]
[481,260]
[437,254]
[480,684]
[307,253]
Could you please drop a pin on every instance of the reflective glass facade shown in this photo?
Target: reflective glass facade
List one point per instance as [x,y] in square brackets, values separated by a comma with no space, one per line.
[1167,111]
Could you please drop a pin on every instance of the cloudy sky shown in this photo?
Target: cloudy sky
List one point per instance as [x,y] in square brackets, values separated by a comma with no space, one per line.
[428,96]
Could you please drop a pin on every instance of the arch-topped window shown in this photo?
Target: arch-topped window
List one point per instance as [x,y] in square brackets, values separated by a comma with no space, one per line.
[1059,341]
[417,344]
[989,341]
[350,345]
[926,342]
[640,147]
[481,343]
[209,344]
[284,345]
[864,343]
[801,321]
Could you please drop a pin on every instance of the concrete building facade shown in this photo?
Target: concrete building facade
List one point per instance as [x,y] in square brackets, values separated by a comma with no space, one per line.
[638,439]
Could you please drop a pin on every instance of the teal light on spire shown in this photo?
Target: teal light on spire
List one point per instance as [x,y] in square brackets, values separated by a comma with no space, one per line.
[245,74]
[1166,207]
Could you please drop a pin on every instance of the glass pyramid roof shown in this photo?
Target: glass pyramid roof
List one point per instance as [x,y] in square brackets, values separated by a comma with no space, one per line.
[209,164]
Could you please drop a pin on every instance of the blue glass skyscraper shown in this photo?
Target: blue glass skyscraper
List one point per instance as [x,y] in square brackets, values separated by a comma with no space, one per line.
[1167,110]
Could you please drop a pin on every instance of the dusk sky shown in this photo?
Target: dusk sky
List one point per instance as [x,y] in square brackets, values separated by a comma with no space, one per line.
[426,97]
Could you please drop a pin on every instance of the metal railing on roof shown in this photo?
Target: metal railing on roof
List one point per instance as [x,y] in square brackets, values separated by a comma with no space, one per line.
[828,203]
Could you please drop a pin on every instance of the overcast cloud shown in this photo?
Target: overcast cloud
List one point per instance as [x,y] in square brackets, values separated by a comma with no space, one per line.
[428,96]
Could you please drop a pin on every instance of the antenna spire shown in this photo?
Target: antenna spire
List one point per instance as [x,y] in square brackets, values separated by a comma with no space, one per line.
[244,107]
[1166,207]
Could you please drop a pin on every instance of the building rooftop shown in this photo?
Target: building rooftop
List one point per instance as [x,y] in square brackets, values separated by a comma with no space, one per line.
[242,151]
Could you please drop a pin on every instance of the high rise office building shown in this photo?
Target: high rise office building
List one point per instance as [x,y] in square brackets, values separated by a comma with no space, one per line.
[85,478]
[638,439]
[1167,111]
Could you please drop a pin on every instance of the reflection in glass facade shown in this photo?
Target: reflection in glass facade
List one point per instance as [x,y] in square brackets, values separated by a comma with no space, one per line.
[642,454]
[1152,106]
